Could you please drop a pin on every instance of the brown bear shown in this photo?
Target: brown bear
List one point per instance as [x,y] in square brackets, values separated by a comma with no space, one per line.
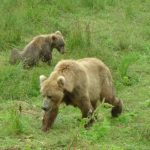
[81,83]
[40,48]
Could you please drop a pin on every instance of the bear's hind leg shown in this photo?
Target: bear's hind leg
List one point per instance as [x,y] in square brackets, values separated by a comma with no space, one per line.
[117,107]
[30,62]
[107,94]
[86,108]
[87,111]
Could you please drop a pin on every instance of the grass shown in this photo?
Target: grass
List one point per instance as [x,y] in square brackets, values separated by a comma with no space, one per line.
[114,31]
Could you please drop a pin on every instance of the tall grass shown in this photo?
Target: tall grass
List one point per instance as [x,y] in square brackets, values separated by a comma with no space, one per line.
[123,69]
[115,31]
[15,123]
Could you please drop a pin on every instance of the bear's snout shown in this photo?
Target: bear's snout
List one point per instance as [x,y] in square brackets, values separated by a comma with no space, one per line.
[45,108]
[46,105]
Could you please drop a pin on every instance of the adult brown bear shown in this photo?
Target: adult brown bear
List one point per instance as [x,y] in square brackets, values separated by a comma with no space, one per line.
[80,83]
[40,48]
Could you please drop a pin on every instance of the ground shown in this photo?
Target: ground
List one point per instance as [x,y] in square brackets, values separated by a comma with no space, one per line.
[116,32]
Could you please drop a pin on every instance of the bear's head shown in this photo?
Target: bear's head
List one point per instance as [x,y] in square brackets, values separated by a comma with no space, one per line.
[58,42]
[52,91]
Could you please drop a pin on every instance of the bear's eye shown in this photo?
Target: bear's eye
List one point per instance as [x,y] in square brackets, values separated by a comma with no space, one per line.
[49,97]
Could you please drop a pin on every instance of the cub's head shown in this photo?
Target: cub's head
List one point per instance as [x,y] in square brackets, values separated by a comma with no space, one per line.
[58,42]
[52,92]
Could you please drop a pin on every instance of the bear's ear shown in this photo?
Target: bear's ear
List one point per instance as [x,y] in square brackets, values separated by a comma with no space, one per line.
[58,33]
[54,37]
[61,81]
[42,78]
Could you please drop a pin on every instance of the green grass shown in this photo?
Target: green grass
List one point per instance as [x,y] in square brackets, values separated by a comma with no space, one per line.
[114,31]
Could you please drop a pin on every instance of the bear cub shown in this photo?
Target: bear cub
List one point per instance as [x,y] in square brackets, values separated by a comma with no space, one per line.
[40,48]
[81,83]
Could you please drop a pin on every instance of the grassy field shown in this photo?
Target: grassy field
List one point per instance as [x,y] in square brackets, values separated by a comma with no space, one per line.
[117,32]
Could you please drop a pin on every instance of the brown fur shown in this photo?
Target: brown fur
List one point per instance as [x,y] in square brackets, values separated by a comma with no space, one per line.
[80,83]
[48,119]
[40,48]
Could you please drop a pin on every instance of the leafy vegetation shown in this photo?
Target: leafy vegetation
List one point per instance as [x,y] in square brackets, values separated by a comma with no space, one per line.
[114,31]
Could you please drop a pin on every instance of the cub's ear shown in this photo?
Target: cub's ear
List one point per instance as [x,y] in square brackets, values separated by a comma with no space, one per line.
[42,78]
[61,81]
[54,37]
[58,33]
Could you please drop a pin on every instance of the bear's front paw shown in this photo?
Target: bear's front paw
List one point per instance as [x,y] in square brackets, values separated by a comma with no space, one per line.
[44,129]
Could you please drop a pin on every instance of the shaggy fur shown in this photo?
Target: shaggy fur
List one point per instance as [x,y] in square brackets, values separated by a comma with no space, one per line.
[40,48]
[80,83]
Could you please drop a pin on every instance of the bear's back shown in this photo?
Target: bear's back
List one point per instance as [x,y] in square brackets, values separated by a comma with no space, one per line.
[93,64]
[67,66]
[37,41]
[92,67]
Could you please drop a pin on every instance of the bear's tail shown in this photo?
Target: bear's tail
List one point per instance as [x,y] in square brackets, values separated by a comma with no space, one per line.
[15,57]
